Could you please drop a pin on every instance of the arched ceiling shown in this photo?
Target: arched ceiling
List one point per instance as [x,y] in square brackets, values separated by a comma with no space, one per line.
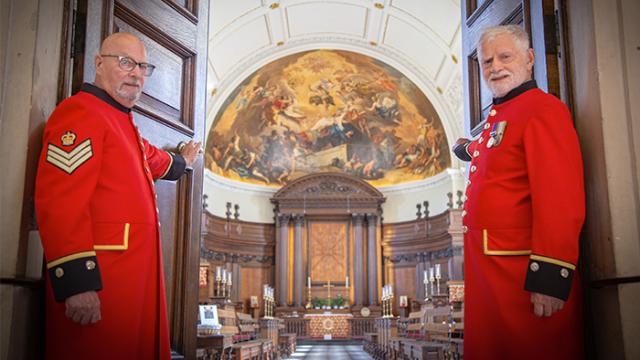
[420,38]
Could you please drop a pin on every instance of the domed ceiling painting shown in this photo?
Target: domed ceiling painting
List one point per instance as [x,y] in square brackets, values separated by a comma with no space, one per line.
[327,110]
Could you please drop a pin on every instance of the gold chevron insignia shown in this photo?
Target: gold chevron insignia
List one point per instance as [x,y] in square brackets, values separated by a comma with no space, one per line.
[69,161]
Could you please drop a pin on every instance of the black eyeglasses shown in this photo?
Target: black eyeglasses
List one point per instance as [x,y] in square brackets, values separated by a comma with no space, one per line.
[128,64]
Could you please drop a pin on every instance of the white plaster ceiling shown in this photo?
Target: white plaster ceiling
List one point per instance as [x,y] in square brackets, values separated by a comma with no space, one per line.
[420,38]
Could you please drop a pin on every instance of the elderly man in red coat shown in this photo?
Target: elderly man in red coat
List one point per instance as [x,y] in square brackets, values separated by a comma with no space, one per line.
[97,214]
[522,216]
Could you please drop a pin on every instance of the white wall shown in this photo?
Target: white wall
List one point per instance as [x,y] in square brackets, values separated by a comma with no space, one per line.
[255,205]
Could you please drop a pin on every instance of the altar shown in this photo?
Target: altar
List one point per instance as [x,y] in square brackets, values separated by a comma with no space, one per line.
[334,324]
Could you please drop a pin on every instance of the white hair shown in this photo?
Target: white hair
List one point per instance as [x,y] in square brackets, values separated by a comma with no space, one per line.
[520,36]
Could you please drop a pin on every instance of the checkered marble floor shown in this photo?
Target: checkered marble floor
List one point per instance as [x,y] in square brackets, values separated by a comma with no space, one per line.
[333,352]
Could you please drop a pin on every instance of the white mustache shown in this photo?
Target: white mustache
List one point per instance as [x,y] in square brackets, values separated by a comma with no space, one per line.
[494,76]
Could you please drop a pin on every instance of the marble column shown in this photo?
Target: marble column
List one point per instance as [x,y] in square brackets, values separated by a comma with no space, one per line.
[372,259]
[282,259]
[298,265]
[358,257]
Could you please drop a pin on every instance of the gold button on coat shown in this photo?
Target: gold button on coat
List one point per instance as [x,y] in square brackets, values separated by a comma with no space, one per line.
[59,272]
[90,264]
[473,168]
[480,140]
[564,273]
[493,112]
[465,229]
[486,126]
[476,153]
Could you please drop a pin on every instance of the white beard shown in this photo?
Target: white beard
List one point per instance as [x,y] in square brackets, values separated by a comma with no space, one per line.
[502,88]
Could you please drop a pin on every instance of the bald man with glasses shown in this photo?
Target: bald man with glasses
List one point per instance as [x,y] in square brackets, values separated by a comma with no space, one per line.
[98,217]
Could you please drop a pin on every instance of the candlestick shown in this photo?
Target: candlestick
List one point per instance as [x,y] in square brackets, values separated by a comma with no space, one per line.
[309,305]
[347,282]
[425,281]
[218,273]
[438,277]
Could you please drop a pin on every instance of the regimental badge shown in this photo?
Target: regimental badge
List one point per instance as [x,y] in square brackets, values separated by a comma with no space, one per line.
[69,161]
[496,134]
[68,138]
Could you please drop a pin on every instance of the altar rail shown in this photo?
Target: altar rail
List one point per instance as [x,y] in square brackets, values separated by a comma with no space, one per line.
[361,326]
[298,326]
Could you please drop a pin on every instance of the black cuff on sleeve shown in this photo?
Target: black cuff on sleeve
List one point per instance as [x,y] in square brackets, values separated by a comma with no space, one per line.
[549,279]
[176,168]
[460,150]
[75,277]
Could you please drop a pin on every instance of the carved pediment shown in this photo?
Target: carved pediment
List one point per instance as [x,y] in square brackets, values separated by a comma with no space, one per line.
[328,185]
[334,193]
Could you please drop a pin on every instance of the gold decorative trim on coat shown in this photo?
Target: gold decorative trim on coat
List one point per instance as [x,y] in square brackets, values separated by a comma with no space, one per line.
[553,261]
[486,251]
[68,258]
[125,241]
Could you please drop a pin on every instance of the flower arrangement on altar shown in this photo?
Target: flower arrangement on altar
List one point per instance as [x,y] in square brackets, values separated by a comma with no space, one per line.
[326,304]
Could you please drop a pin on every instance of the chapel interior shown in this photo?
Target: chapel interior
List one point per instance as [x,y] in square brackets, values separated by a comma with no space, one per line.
[326,209]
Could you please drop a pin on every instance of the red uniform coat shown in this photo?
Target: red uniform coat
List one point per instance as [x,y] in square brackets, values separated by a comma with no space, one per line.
[97,215]
[522,217]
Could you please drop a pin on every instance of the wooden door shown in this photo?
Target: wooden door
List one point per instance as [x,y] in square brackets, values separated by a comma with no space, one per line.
[171,109]
[542,19]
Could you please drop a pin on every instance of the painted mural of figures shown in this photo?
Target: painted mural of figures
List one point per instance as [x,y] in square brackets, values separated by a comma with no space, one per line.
[386,107]
[355,112]
[318,101]
[249,166]
[321,93]
[409,156]
[232,154]
[247,95]
[354,165]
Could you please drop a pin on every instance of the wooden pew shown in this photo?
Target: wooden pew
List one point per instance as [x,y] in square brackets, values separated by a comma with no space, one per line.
[408,328]
[249,344]
[287,344]
[370,343]
[234,342]
[420,346]
[248,327]
[447,328]
[219,346]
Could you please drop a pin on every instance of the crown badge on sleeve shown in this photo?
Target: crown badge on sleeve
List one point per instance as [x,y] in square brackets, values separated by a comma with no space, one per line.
[68,138]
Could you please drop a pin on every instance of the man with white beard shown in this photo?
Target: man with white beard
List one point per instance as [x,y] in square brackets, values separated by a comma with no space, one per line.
[522,215]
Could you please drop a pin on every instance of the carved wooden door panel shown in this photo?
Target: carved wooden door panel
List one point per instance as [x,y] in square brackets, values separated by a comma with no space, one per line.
[171,109]
[542,19]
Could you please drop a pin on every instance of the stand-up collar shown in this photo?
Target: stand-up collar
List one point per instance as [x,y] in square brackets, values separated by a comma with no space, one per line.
[525,86]
[104,96]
